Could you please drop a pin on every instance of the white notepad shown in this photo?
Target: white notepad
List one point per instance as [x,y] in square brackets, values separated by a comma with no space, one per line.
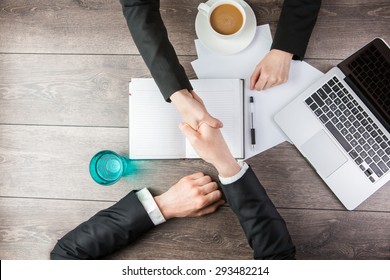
[154,124]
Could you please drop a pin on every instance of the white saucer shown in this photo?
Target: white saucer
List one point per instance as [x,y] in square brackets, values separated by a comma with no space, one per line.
[226,46]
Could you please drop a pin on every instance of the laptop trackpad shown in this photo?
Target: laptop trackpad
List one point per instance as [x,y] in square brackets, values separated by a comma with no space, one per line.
[323,154]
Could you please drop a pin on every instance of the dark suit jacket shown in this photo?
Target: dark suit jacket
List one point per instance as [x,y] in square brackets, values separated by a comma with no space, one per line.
[150,36]
[295,25]
[106,232]
[122,223]
[264,228]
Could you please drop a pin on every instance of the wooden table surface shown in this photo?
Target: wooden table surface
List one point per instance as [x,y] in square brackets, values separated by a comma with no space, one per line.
[64,72]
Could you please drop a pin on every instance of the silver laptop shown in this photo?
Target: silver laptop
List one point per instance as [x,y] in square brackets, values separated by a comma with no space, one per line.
[341,124]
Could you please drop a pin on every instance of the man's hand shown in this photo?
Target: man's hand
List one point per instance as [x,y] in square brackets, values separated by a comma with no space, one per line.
[194,195]
[208,142]
[193,110]
[272,70]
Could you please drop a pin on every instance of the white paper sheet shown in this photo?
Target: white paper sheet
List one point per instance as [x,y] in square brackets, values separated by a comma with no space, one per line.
[268,102]
[154,124]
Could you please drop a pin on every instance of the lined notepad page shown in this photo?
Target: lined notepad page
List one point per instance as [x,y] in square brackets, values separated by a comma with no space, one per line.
[153,124]
[224,100]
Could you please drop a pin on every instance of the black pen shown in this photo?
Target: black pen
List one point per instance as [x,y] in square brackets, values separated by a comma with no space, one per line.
[252,112]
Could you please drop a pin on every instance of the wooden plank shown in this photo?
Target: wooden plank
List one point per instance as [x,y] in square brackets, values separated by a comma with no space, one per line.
[345,26]
[99,27]
[75,89]
[69,89]
[52,162]
[324,235]
[44,26]
[30,227]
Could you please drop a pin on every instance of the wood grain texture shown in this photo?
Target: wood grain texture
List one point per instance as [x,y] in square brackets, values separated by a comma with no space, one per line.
[69,89]
[98,27]
[339,234]
[88,90]
[345,26]
[32,227]
[64,72]
[52,162]
[64,26]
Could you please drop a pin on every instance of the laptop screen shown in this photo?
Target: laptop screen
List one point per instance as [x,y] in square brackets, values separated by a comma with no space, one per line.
[369,70]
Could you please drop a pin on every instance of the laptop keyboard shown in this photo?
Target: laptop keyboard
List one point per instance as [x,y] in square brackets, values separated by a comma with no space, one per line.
[352,127]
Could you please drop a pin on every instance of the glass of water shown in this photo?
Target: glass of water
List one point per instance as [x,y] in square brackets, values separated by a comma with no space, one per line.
[107,167]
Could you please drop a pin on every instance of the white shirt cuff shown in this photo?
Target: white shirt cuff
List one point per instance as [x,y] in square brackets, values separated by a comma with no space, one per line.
[150,206]
[229,180]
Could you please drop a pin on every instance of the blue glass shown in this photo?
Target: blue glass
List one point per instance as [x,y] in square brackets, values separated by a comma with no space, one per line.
[107,167]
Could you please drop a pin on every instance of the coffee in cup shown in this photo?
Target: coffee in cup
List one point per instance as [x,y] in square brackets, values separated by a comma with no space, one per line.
[225,17]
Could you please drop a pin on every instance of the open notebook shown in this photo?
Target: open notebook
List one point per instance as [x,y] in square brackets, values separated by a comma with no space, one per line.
[154,124]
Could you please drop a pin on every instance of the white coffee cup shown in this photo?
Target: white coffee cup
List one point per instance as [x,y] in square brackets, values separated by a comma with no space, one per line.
[226,22]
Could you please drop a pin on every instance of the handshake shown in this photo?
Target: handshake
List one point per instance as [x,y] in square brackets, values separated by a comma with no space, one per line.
[196,194]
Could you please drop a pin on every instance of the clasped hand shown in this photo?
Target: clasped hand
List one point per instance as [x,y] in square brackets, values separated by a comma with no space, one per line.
[193,110]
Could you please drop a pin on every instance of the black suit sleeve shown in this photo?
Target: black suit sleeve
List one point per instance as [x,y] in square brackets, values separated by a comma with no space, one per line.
[264,228]
[106,232]
[150,36]
[295,25]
